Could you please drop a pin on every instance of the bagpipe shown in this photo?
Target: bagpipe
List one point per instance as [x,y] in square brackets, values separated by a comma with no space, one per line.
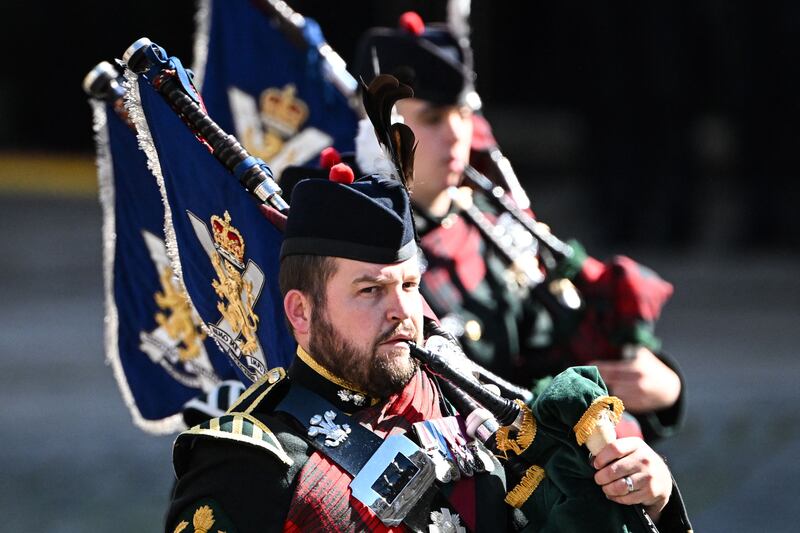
[602,310]
[541,440]
[104,83]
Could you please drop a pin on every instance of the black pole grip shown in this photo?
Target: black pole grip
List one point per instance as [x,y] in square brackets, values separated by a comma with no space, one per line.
[257,179]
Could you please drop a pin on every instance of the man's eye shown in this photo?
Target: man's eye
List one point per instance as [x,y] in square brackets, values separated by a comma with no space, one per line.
[431,118]
[368,290]
[411,285]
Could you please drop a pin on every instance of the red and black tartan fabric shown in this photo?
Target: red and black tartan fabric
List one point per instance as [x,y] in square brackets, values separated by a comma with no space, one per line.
[322,501]
[623,301]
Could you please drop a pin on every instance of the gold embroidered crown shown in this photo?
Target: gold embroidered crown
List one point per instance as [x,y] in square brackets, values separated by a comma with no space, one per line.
[228,240]
[281,110]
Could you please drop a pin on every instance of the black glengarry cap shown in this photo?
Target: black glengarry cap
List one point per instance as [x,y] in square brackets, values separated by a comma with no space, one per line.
[367,220]
[428,58]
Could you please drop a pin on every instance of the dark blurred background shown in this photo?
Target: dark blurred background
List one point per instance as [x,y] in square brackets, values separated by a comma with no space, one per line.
[677,120]
[661,130]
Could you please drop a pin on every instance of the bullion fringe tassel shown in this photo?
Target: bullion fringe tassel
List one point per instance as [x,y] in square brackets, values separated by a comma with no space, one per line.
[611,406]
[517,496]
[105,178]
[524,436]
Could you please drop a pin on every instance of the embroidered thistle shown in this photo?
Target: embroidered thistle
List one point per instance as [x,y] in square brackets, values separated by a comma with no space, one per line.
[334,433]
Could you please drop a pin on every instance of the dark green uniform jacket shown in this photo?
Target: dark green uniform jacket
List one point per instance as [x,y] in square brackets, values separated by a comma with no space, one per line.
[254,469]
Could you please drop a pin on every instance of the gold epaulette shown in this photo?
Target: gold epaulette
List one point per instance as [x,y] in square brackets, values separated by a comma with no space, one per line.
[238,424]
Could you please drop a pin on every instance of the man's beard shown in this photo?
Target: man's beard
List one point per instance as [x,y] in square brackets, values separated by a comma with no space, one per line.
[379,375]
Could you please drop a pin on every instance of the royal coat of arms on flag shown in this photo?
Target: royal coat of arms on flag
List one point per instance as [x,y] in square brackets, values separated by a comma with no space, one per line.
[222,249]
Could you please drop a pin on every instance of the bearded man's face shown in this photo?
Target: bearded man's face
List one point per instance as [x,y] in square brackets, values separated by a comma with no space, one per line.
[359,333]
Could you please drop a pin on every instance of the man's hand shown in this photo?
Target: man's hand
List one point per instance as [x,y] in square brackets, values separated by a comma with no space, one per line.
[650,482]
[644,383]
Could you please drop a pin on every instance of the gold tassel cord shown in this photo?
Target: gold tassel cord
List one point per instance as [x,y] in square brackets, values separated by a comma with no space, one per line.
[611,405]
[517,496]
[524,436]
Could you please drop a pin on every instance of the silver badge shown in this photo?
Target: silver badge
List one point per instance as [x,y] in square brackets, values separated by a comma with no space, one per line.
[445,522]
[349,396]
[334,433]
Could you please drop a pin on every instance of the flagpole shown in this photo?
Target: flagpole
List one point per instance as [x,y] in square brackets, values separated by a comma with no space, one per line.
[295,26]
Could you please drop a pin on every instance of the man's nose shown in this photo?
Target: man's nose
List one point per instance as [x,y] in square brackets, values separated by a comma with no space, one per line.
[450,127]
[399,306]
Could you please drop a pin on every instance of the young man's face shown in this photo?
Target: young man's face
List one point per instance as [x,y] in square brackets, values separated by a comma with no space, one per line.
[444,135]
[370,311]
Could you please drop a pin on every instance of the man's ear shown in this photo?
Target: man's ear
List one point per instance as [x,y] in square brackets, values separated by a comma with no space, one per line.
[297,307]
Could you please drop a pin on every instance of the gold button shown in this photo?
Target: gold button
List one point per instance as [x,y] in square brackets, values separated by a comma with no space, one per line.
[473,330]
[449,220]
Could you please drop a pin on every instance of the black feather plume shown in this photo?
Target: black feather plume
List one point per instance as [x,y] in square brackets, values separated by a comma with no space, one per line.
[398,139]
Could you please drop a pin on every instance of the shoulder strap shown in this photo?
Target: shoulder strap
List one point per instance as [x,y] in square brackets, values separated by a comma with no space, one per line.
[259,390]
[355,444]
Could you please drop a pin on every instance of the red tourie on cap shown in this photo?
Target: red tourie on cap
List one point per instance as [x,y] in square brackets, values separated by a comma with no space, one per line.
[412,23]
[329,157]
[341,173]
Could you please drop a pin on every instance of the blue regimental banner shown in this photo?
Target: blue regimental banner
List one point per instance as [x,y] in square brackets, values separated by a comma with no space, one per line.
[272,94]
[160,355]
[222,249]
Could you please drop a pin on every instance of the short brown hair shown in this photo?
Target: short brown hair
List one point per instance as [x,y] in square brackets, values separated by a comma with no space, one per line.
[308,274]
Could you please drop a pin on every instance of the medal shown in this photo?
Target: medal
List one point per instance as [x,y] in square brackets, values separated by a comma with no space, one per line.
[435,445]
[483,459]
[457,443]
